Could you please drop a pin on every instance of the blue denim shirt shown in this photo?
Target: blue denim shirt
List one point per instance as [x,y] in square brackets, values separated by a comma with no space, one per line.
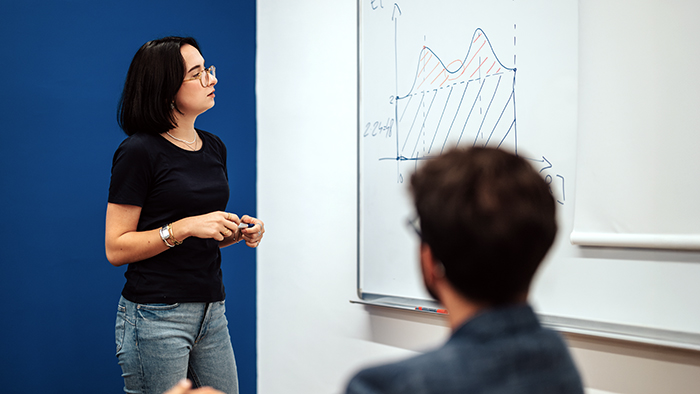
[503,350]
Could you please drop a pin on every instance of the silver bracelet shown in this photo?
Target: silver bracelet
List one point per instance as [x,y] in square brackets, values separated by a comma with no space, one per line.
[165,235]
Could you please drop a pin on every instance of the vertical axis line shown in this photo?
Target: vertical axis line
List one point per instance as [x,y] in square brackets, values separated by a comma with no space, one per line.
[396,96]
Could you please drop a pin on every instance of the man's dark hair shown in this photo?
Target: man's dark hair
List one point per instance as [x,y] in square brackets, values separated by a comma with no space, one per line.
[154,77]
[489,217]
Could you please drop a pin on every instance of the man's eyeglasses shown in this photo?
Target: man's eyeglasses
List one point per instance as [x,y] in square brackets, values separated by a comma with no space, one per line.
[414,223]
[205,77]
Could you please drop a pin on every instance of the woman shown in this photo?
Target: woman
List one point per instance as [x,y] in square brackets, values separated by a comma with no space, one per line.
[166,220]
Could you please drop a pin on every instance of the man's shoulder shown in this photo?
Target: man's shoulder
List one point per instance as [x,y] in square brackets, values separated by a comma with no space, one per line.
[522,357]
[410,375]
[459,369]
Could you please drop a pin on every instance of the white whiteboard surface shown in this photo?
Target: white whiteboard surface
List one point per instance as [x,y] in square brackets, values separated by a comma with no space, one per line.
[427,69]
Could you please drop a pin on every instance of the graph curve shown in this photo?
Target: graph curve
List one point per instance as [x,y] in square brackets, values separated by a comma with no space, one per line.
[468,100]
[478,41]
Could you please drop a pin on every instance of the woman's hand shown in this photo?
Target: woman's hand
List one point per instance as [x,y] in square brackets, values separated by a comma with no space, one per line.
[124,245]
[218,225]
[252,235]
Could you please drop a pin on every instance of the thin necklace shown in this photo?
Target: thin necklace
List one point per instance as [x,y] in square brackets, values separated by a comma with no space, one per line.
[194,148]
[187,142]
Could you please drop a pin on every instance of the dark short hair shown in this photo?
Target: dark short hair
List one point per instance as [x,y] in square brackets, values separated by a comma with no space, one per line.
[154,77]
[489,217]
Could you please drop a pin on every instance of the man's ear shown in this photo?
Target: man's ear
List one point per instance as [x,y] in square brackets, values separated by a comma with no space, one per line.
[432,268]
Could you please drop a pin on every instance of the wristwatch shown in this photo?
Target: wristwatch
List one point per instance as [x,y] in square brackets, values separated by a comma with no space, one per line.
[165,235]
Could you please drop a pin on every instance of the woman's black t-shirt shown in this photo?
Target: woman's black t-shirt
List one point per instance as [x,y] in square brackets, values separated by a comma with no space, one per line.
[170,183]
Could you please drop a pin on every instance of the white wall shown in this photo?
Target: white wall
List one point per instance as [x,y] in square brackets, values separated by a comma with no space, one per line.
[310,338]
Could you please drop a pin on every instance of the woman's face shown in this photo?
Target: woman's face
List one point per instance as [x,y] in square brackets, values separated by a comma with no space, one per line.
[192,99]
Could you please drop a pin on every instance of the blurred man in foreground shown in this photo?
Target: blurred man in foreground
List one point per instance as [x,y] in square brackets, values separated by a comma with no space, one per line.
[486,220]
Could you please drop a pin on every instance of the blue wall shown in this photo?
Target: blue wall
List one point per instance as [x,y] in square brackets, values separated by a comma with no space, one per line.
[64,65]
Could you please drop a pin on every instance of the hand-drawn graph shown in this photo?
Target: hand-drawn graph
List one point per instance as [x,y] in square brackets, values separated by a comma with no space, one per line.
[469,101]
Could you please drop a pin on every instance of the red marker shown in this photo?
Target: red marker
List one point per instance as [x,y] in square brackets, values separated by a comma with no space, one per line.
[424,309]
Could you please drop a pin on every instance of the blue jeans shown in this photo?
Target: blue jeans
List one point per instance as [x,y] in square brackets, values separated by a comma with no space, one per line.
[160,344]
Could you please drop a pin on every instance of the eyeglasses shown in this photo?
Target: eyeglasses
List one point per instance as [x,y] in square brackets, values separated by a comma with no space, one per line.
[205,78]
[414,223]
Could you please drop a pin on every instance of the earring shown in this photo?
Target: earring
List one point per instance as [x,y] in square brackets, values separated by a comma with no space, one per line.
[172,105]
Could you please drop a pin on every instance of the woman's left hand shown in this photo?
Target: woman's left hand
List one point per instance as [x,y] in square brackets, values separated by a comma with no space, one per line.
[252,235]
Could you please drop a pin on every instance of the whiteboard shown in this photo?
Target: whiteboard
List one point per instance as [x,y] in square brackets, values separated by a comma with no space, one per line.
[498,73]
